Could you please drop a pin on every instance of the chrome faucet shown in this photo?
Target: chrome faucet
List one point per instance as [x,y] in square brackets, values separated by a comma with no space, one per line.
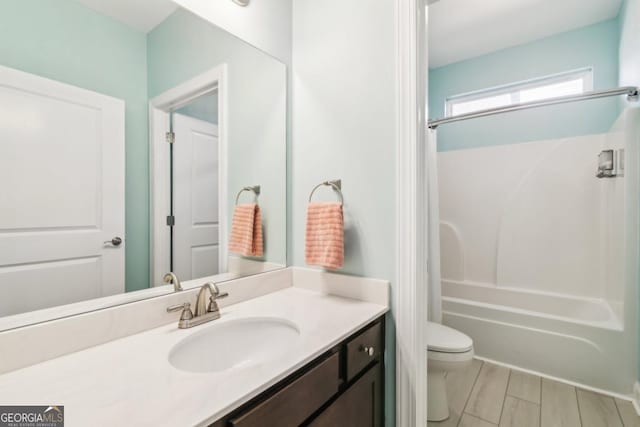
[172,278]
[204,312]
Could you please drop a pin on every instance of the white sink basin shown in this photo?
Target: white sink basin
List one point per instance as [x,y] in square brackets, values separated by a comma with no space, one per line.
[234,344]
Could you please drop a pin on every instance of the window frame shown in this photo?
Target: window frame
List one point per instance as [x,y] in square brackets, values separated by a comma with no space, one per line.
[514,89]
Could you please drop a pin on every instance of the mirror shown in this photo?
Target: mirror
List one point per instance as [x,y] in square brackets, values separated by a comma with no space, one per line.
[129,130]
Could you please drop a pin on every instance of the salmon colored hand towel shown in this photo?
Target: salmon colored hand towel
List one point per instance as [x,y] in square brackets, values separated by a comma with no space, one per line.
[246,230]
[325,235]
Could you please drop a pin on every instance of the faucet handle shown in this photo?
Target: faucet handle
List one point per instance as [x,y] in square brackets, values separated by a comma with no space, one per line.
[215,292]
[187,314]
[215,295]
[213,303]
[219,296]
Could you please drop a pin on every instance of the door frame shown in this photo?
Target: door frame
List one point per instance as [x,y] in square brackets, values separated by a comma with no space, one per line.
[159,123]
[410,296]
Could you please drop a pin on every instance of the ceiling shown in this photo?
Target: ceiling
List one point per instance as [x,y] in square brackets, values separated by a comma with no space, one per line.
[463,29]
[142,15]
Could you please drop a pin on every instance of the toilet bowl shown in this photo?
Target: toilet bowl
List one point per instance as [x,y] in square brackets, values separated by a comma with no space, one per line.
[448,350]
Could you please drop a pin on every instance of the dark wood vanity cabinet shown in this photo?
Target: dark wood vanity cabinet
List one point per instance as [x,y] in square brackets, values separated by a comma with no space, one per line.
[359,406]
[342,388]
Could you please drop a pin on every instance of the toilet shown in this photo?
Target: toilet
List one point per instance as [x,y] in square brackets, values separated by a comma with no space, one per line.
[448,350]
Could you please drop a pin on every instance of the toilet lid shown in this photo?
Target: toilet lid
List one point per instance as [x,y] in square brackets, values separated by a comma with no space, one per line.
[447,340]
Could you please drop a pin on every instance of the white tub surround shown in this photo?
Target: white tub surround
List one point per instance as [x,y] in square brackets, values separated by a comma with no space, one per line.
[587,353]
[581,310]
[129,381]
[542,271]
[534,216]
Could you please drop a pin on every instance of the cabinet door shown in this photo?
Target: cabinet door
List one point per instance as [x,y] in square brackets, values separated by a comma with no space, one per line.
[297,401]
[359,406]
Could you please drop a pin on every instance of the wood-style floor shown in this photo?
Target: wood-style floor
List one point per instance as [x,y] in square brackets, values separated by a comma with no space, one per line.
[488,395]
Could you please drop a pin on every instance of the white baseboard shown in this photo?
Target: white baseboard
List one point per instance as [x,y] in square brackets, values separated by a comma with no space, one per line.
[635,398]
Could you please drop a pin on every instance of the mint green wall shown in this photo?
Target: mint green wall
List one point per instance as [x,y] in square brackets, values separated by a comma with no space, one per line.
[184,46]
[65,41]
[595,45]
[203,108]
[344,82]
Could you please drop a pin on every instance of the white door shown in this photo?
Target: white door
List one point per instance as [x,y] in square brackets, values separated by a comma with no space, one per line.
[195,198]
[62,193]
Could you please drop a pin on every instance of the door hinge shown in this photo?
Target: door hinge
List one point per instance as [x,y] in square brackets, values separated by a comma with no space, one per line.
[171,137]
[171,220]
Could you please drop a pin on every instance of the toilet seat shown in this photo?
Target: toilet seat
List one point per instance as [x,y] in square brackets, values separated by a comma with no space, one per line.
[442,339]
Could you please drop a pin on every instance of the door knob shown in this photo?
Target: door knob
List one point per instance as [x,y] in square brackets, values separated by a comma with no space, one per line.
[116,241]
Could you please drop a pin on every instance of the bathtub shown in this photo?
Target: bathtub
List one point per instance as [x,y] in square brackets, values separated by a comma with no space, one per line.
[576,339]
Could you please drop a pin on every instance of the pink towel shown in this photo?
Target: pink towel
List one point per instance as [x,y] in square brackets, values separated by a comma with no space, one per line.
[246,230]
[325,235]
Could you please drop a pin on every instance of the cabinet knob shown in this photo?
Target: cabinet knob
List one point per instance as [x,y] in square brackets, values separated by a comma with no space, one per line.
[368,350]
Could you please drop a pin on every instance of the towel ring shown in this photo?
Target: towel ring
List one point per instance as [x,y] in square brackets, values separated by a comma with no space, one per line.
[255,189]
[337,186]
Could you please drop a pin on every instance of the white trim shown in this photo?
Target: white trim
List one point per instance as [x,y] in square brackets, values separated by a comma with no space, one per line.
[159,198]
[410,288]
[159,108]
[636,397]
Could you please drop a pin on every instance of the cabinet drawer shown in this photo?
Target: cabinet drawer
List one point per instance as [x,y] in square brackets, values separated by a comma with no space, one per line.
[363,349]
[296,401]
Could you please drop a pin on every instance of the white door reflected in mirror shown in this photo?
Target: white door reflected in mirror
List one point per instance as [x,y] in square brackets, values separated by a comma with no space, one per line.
[195,187]
[63,156]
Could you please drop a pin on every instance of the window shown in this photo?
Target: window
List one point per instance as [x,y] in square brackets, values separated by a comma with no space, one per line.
[565,84]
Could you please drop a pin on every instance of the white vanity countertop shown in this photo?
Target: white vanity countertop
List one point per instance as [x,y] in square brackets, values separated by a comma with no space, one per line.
[131,382]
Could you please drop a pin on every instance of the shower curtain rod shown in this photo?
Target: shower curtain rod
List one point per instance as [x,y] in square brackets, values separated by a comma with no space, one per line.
[630,91]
